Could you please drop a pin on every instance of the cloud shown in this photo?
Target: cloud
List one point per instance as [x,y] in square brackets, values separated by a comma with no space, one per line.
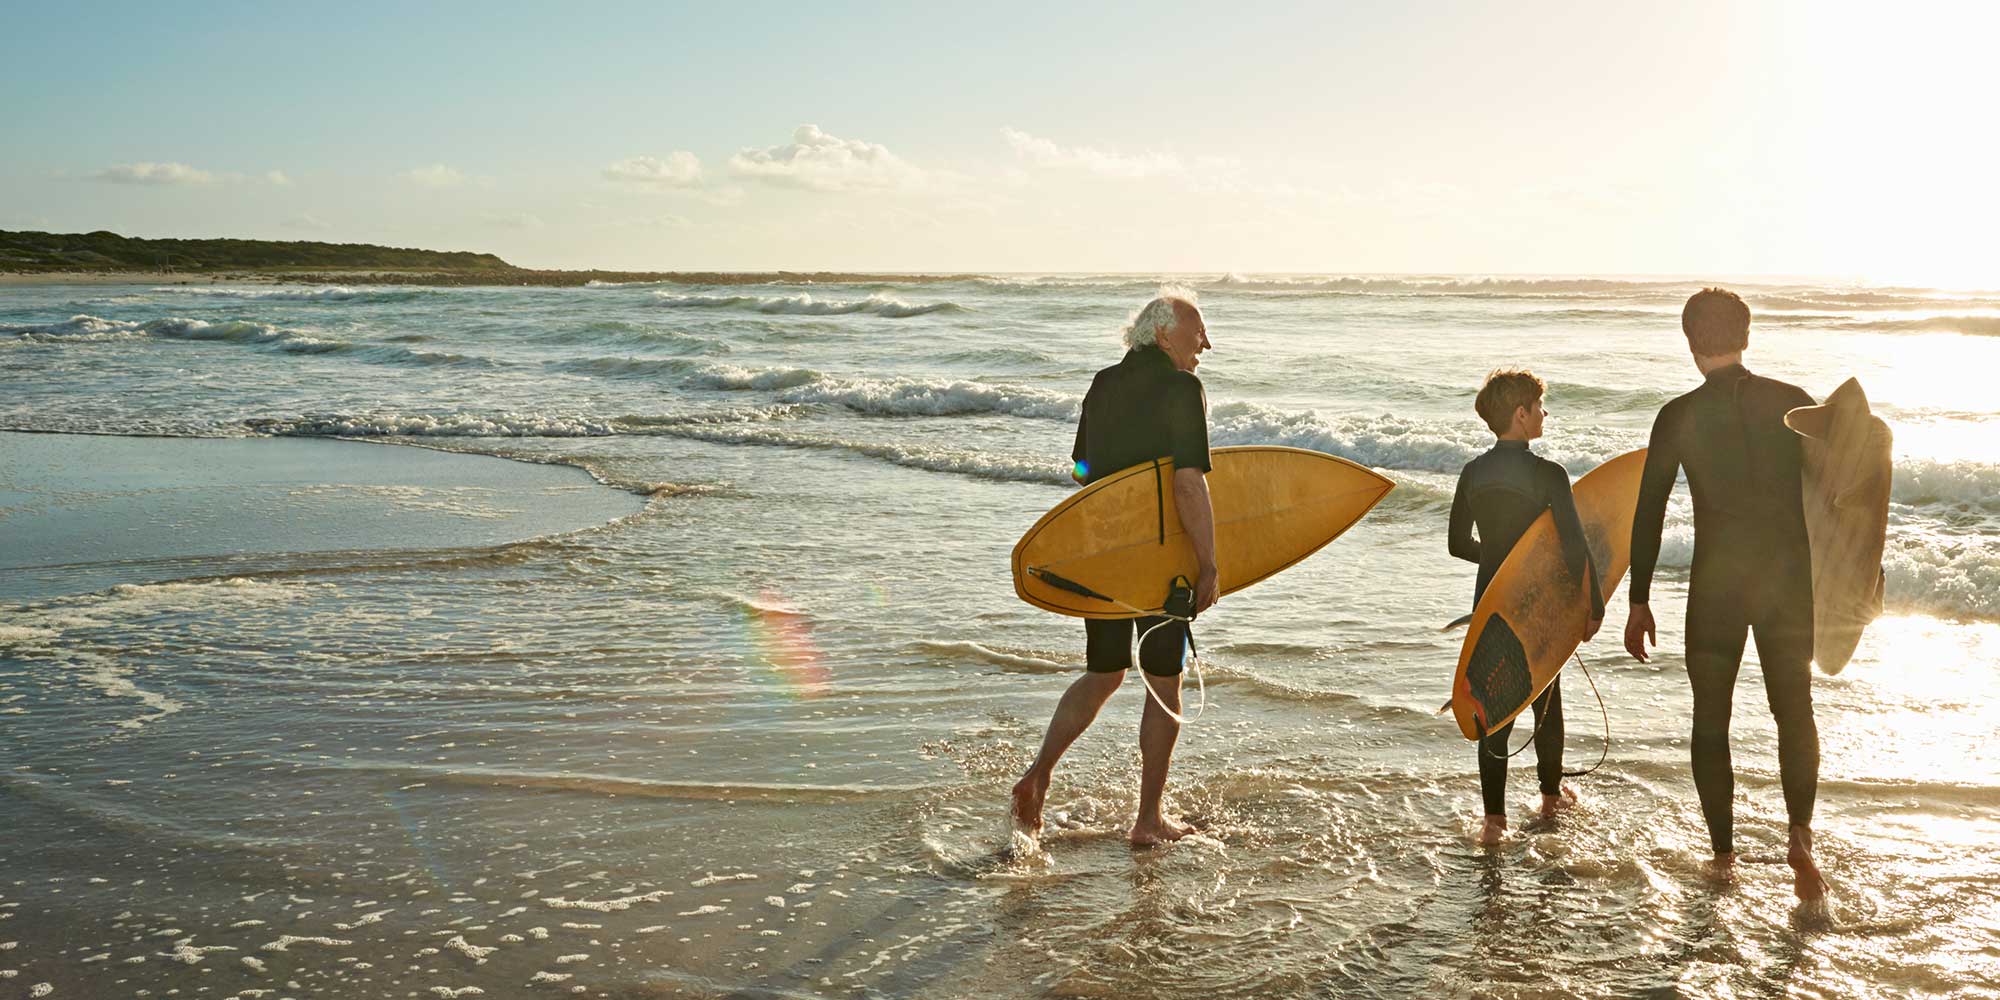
[512,220]
[679,170]
[817,161]
[153,173]
[277,178]
[436,175]
[1041,152]
[307,221]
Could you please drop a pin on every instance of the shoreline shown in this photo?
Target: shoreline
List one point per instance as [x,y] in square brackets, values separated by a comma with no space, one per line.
[85,511]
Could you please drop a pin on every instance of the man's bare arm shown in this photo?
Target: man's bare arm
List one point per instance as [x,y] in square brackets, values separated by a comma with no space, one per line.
[1198,520]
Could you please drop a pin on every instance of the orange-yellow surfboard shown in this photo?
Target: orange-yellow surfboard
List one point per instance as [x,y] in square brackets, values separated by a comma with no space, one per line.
[1534,612]
[1121,537]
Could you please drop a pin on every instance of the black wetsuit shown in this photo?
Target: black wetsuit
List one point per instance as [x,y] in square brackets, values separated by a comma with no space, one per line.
[1752,573]
[1137,410]
[1503,492]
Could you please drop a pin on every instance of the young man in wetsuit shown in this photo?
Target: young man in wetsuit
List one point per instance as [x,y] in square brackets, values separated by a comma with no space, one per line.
[1752,568]
[1149,405]
[1502,493]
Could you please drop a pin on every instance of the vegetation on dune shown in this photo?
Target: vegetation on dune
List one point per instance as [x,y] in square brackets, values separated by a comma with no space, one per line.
[106,251]
[346,263]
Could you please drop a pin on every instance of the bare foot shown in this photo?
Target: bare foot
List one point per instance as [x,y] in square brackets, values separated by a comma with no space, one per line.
[1158,831]
[1552,804]
[1806,881]
[1028,795]
[1493,831]
[1722,867]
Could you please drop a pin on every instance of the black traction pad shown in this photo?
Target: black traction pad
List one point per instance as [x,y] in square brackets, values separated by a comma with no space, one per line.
[1498,671]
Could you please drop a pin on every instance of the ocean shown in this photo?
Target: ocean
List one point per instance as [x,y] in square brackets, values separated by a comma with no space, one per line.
[717,686]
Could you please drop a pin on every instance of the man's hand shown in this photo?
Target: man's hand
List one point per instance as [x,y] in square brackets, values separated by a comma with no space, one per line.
[1590,630]
[1207,590]
[1639,628]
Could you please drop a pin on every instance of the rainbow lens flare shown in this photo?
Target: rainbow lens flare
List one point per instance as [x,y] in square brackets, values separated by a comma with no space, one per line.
[782,638]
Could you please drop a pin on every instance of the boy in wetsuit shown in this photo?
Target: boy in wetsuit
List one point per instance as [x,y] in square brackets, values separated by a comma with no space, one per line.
[1752,572]
[1503,492]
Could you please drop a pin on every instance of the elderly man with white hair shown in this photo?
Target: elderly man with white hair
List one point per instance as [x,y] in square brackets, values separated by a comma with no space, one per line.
[1148,406]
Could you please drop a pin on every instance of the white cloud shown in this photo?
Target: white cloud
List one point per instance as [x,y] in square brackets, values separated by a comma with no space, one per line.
[307,221]
[1041,152]
[679,170]
[436,175]
[821,162]
[277,178]
[512,220]
[153,173]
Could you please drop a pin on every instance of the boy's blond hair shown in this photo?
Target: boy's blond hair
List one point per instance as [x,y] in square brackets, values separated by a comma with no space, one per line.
[1505,390]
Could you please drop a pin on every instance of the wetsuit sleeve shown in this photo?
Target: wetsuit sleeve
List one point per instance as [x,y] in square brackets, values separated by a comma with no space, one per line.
[1458,536]
[1663,466]
[1076,454]
[1187,424]
[1569,532]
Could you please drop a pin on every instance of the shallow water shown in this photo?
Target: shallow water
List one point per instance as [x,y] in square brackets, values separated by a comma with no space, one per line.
[755,739]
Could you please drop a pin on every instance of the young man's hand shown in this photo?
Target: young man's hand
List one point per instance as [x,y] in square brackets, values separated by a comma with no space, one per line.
[1639,628]
[1207,590]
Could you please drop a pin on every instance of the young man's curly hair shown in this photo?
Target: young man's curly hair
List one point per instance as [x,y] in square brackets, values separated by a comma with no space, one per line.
[1504,391]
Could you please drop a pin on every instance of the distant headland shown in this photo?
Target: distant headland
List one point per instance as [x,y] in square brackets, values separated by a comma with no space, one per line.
[36,257]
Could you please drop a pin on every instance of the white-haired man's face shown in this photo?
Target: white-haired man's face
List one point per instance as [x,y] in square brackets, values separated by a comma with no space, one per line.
[1186,338]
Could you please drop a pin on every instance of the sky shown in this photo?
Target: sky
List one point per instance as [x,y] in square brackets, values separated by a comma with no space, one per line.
[1781,138]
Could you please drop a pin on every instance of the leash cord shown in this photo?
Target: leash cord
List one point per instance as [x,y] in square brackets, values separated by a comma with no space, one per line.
[1602,710]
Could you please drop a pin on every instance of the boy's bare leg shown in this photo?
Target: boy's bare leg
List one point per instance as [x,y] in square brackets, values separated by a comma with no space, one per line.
[1158,733]
[1493,829]
[1074,713]
[1806,881]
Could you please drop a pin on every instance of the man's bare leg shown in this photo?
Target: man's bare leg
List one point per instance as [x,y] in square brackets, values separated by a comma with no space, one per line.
[1806,881]
[1493,830]
[1158,732]
[1074,713]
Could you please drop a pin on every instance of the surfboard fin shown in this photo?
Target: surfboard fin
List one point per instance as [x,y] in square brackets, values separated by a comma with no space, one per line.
[1459,622]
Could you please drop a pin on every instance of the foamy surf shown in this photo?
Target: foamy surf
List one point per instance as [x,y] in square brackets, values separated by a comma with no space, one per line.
[804,304]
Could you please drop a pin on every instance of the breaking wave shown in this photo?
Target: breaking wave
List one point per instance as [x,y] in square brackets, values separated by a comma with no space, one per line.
[804,304]
[239,331]
[330,293]
[498,424]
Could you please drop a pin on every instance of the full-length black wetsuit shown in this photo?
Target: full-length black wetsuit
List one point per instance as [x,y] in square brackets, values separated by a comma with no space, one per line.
[1752,573]
[1503,492]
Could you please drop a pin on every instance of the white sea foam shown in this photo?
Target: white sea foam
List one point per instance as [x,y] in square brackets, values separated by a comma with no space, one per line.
[733,377]
[1943,574]
[1391,442]
[498,424]
[804,304]
[917,397]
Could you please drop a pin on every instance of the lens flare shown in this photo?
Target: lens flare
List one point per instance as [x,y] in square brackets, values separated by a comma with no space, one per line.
[782,638]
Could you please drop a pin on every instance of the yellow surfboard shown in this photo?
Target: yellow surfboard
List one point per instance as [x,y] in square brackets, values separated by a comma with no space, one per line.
[1121,537]
[1846,485]
[1534,612]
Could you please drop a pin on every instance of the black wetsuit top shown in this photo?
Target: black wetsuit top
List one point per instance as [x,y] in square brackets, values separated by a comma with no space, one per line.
[1140,409]
[1137,410]
[1503,492]
[1743,469]
[1752,574]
